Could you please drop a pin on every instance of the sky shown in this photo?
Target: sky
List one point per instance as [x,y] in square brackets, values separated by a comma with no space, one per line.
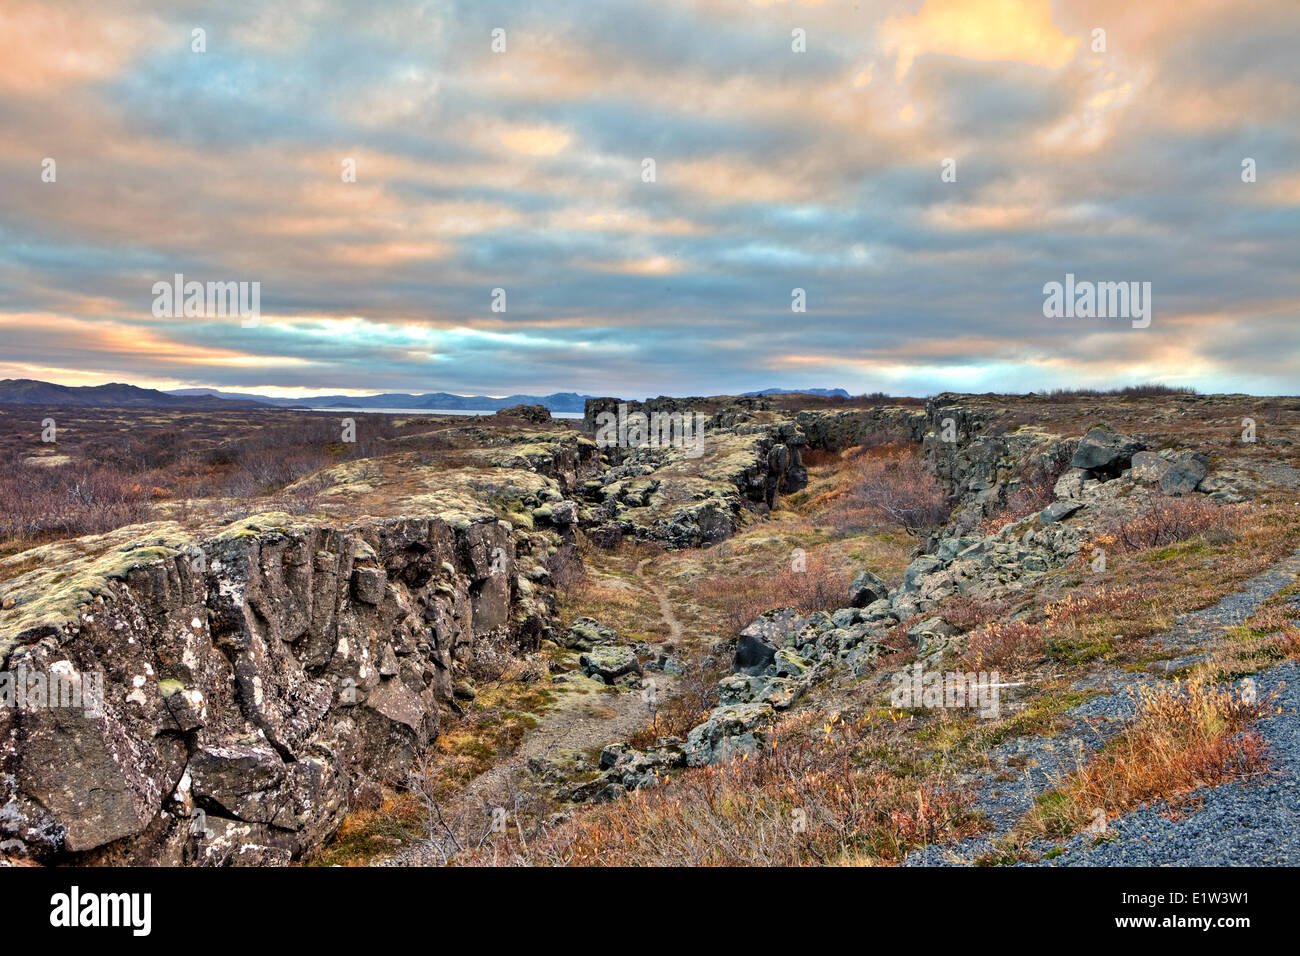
[920,169]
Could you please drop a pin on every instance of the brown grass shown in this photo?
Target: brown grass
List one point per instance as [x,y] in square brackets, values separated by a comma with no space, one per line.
[367,834]
[120,464]
[1185,736]
[1005,646]
[1167,519]
[821,585]
[809,799]
[889,485]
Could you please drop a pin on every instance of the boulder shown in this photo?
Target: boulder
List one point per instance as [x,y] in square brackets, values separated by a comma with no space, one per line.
[757,645]
[879,611]
[931,625]
[1176,474]
[1184,474]
[753,655]
[790,664]
[925,564]
[368,584]
[585,633]
[866,589]
[846,617]
[1105,453]
[609,663]
[1148,466]
[728,732]
[1070,484]
[1059,511]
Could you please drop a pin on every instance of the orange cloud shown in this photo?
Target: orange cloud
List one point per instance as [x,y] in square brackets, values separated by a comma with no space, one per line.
[987,30]
[43,46]
[536,142]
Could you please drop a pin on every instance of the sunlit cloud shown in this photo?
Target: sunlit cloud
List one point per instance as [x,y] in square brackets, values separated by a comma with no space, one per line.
[1018,30]
[524,171]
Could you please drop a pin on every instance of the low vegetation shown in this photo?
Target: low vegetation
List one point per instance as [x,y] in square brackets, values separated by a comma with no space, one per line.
[1185,736]
[814,797]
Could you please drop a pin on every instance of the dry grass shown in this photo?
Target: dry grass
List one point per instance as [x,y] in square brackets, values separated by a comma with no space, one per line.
[1166,519]
[608,590]
[811,798]
[1185,736]
[1005,646]
[118,467]
[889,485]
[367,834]
[819,583]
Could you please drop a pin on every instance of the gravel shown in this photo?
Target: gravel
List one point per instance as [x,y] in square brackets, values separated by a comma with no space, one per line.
[1241,823]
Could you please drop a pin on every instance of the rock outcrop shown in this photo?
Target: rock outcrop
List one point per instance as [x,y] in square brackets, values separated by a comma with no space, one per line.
[253,681]
[695,494]
[783,653]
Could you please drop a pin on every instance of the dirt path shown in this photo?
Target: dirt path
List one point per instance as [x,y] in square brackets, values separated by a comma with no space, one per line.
[587,715]
[577,723]
[666,612]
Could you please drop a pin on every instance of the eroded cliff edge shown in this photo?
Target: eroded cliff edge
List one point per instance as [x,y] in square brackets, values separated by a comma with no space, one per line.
[259,676]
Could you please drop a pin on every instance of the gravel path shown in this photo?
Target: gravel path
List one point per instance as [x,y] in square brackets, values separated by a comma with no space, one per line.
[1026,767]
[1241,823]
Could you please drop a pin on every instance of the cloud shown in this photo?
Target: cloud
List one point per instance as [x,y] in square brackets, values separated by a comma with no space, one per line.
[1017,30]
[776,170]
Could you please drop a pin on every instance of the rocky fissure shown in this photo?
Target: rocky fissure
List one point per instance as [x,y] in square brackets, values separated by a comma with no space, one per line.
[261,678]
[1097,480]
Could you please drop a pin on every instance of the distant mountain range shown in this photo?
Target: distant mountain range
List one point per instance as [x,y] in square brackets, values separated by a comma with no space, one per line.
[30,392]
[26,391]
[556,402]
[801,391]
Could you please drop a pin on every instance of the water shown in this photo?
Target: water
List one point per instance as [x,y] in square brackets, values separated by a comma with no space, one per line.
[425,411]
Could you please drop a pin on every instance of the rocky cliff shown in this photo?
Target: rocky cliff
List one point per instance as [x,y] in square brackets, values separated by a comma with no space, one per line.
[259,677]
[254,681]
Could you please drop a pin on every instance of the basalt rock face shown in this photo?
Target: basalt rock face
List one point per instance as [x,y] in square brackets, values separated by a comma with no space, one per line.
[982,462]
[744,458]
[838,430]
[693,492]
[254,682]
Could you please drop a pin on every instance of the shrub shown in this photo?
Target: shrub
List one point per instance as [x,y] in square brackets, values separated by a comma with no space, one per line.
[890,485]
[566,570]
[1152,390]
[1004,646]
[821,586]
[1168,519]
[694,696]
[810,798]
[1184,737]
[966,613]
[74,499]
